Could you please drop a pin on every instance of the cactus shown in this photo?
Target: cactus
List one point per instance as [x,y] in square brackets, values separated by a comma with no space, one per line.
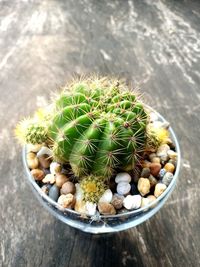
[31,131]
[93,188]
[98,126]
[156,136]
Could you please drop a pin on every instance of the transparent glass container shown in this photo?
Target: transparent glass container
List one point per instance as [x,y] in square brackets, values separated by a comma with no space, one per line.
[100,224]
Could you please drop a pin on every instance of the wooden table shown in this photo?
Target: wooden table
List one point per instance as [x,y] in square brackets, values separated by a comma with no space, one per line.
[155,44]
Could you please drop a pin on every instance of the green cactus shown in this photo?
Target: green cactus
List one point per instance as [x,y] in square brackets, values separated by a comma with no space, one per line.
[98,126]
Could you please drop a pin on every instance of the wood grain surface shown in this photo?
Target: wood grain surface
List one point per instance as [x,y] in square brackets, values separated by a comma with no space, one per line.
[154,44]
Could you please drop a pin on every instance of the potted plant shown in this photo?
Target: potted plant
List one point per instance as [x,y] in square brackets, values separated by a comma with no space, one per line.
[98,157]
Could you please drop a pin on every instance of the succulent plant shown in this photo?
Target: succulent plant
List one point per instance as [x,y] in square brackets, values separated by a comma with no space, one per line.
[93,188]
[31,131]
[156,135]
[98,126]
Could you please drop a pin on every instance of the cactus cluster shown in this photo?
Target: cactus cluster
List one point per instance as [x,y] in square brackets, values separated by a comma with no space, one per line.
[97,125]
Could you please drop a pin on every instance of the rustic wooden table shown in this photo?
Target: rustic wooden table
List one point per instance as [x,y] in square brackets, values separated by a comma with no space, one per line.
[154,43]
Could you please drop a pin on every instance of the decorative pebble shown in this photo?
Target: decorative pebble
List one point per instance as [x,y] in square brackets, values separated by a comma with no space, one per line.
[106,208]
[153,181]
[145,163]
[45,188]
[61,179]
[44,151]
[54,192]
[159,189]
[132,202]
[123,177]
[80,206]
[55,168]
[173,161]
[91,208]
[169,167]
[37,174]
[117,201]
[44,161]
[79,192]
[151,199]
[107,196]
[32,160]
[162,152]
[172,154]
[145,172]
[165,125]
[34,148]
[49,178]
[152,156]
[153,116]
[161,173]
[145,201]
[143,186]
[155,168]
[123,188]
[156,160]
[67,201]
[134,190]
[167,178]
[68,187]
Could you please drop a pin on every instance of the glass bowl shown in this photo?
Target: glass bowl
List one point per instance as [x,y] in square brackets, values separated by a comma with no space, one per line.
[100,224]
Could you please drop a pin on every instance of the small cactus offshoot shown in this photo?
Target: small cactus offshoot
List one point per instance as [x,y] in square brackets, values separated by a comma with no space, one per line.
[93,188]
[156,136]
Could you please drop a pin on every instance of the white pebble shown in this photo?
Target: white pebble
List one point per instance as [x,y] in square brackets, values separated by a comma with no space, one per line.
[153,116]
[107,196]
[91,208]
[159,189]
[54,166]
[122,177]
[79,192]
[163,149]
[145,202]
[45,151]
[132,202]
[123,188]
[172,154]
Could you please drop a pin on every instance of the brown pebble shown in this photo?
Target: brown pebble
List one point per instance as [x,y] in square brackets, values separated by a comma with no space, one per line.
[67,188]
[155,168]
[67,201]
[32,160]
[145,164]
[169,167]
[117,201]
[153,181]
[37,174]
[44,161]
[106,208]
[61,179]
